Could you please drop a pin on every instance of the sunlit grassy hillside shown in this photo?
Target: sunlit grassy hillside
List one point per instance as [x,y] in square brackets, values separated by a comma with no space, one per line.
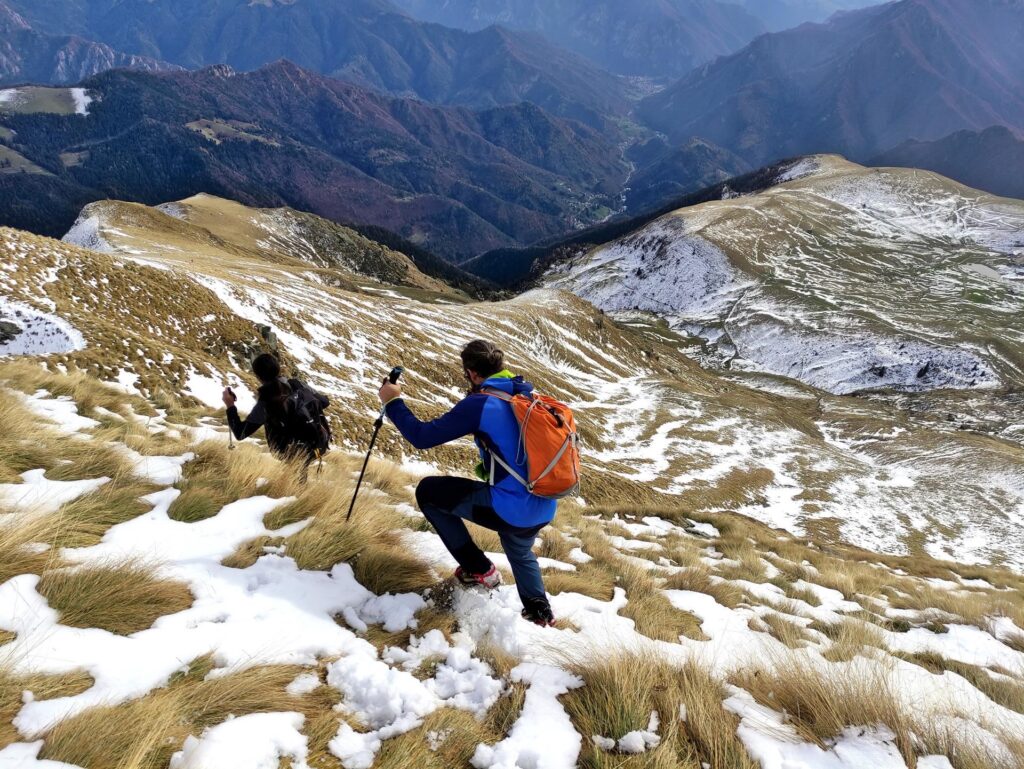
[750,579]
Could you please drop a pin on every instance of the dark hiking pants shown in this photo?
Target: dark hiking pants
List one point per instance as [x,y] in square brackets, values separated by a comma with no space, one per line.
[447,502]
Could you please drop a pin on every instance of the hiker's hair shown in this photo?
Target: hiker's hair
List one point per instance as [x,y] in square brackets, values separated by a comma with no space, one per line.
[482,358]
[266,368]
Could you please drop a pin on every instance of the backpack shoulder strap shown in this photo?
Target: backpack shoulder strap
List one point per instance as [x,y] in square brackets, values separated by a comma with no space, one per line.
[495,392]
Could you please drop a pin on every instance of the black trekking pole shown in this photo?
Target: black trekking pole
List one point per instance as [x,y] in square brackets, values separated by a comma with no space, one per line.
[396,372]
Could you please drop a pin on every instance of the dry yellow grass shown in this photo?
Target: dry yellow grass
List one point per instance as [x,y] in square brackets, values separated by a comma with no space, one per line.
[122,598]
[553,544]
[143,733]
[588,579]
[969,750]
[25,444]
[849,638]
[248,553]
[391,479]
[385,566]
[782,629]
[84,521]
[699,580]
[427,619]
[736,488]
[42,686]
[618,696]
[18,543]
[821,705]
[652,613]
[87,391]
[218,476]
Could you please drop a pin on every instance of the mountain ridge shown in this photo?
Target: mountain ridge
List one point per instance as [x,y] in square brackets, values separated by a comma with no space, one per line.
[857,85]
[27,55]
[368,42]
[449,179]
[660,38]
[991,159]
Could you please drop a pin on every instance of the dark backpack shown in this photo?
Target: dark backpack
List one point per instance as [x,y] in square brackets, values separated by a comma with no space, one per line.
[304,423]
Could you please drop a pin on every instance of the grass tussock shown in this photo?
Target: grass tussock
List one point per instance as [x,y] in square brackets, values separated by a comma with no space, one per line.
[849,638]
[389,478]
[385,566]
[698,579]
[619,695]
[427,619]
[448,738]
[247,553]
[90,459]
[18,543]
[29,442]
[651,611]
[588,579]
[379,558]
[144,733]
[968,749]
[553,544]
[120,598]
[821,705]
[25,443]
[43,687]
[781,629]
[83,521]
[735,489]
[220,475]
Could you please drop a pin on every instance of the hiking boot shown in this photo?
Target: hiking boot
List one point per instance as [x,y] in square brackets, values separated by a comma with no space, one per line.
[538,611]
[489,579]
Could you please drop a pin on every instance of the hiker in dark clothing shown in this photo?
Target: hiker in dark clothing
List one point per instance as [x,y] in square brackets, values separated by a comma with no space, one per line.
[289,411]
[500,503]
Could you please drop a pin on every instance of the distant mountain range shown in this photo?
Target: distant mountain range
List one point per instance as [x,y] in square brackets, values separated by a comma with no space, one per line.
[778,15]
[858,85]
[27,55]
[452,180]
[654,38]
[368,42]
[992,159]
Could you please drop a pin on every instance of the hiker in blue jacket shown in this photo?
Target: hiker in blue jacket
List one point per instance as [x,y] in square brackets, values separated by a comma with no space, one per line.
[501,503]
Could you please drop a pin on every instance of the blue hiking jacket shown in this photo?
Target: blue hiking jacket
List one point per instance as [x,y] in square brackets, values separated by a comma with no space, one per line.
[493,425]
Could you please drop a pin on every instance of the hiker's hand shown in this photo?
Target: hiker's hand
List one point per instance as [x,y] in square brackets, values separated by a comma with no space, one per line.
[228,397]
[389,392]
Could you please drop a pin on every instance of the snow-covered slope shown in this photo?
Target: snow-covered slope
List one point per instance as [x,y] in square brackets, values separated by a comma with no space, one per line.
[185,314]
[733,531]
[845,278]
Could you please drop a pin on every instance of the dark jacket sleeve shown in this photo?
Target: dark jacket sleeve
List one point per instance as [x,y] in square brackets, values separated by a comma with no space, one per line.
[462,420]
[242,430]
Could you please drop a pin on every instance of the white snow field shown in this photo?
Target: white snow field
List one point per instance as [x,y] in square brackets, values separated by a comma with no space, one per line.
[842,277]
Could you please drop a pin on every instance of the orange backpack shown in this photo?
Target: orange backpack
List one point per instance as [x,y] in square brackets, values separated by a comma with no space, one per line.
[548,445]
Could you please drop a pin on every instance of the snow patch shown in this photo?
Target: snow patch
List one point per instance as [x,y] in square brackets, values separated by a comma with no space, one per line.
[82,100]
[86,233]
[255,741]
[36,332]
